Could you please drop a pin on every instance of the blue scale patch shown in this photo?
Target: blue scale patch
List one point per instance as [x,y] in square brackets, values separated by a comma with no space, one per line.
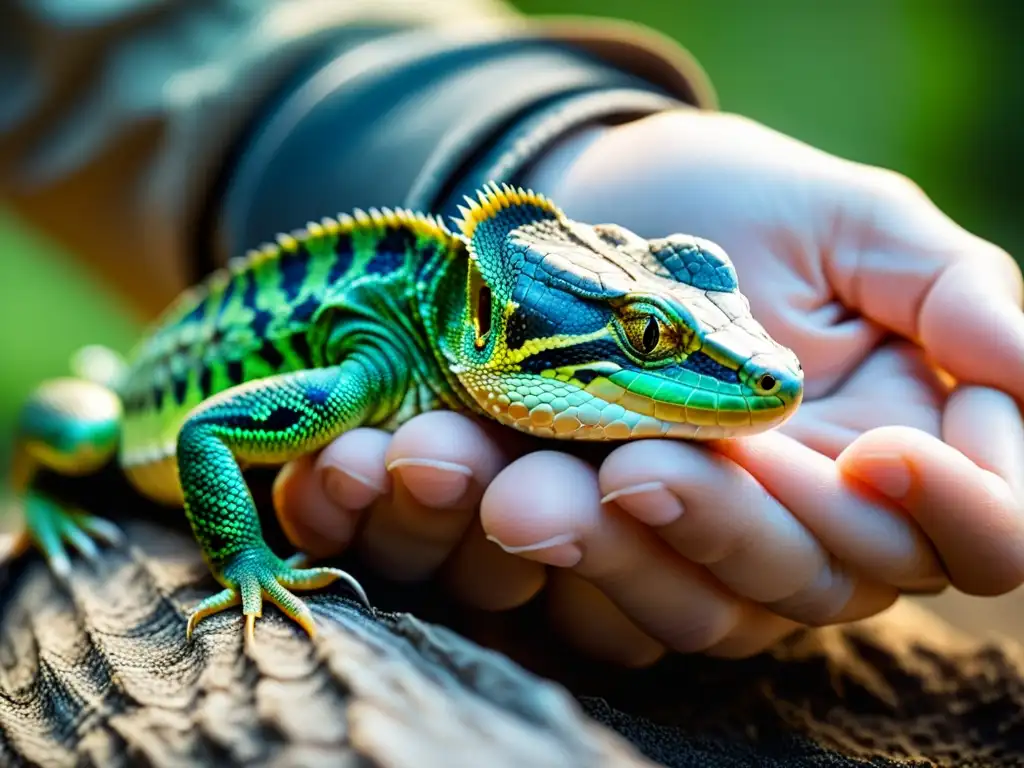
[695,266]
[545,311]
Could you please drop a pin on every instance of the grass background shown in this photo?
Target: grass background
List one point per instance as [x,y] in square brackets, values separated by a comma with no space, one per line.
[928,87]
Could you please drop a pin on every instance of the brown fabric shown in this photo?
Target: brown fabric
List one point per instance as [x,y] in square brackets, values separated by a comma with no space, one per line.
[116,117]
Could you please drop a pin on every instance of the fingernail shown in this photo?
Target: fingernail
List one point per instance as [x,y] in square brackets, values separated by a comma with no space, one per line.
[434,482]
[561,551]
[325,517]
[651,503]
[311,519]
[887,473]
[338,488]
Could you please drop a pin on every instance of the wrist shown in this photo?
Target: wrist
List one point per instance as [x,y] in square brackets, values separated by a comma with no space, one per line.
[539,150]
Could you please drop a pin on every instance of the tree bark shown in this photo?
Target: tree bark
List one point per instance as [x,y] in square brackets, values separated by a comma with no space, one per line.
[101,674]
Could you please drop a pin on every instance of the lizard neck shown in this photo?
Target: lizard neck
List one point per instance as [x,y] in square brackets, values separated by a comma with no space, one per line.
[395,314]
[442,309]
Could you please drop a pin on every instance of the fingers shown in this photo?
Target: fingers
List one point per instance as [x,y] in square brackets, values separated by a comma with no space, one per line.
[440,463]
[406,533]
[587,618]
[907,266]
[406,501]
[973,330]
[862,531]
[714,513]
[961,492]
[547,507]
[895,384]
[481,574]
[320,499]
[563,523]
[1000,451]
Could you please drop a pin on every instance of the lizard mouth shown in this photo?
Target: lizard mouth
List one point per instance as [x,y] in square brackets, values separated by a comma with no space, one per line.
[605,410]
[695,406]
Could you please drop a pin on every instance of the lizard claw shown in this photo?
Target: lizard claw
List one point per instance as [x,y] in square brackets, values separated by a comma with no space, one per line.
[52,526]
[257,573]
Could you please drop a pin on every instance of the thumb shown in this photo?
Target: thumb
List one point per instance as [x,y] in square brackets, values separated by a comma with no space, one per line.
[913,270]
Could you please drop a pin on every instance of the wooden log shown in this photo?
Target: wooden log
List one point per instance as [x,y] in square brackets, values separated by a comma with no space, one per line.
[101,674]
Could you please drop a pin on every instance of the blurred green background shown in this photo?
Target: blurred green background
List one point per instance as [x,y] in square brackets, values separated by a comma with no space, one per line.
[928,87]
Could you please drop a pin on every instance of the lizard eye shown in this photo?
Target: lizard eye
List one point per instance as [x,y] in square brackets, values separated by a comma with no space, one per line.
[648,335]
[652,332]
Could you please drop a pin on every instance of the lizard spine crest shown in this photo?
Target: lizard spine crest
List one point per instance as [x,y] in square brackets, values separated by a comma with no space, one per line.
[492,200]
[286,243]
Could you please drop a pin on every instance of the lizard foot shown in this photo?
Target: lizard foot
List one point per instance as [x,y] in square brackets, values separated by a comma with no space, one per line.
[257,573]
[50,525]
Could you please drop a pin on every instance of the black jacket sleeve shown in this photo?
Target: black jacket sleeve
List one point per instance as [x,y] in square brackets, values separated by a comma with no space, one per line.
[157,138]
[417,119]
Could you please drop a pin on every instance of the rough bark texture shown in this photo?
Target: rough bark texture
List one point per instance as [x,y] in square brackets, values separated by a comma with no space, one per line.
[102,675]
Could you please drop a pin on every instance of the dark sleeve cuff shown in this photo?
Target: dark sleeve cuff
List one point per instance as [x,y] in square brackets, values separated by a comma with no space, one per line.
[509,156]
[414,119]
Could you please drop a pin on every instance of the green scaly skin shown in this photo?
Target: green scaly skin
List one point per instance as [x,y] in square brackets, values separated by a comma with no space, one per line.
[521,315]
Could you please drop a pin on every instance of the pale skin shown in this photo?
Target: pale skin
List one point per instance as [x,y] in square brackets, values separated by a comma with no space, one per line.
[890,479]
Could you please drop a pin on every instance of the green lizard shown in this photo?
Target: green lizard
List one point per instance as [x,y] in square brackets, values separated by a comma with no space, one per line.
[519,314]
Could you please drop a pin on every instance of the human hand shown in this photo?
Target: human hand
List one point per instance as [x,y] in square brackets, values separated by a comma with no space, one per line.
[870,284]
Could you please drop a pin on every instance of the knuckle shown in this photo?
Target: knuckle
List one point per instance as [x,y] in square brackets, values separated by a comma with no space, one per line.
[882,192]
[819,601]
[1002,262]
[917,569]
[896,184]
[1004,574]
[705,630]
[756,636]
[727,545]
[611,572]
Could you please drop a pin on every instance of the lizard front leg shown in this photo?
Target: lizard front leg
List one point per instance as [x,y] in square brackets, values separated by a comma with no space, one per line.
[268,421]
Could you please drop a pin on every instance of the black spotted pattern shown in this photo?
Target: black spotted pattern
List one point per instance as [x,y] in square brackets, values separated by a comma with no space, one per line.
[260,322]
[707,366]
[344,255]
[270,354]
[586,375]
[601,350]
[300,346]
[543,311]
[392,250]
[302,313]
[293,268]
[206,379]
[179,387]
[235,373]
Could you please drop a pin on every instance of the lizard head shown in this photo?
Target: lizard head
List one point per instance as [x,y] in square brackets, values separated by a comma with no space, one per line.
[591,332]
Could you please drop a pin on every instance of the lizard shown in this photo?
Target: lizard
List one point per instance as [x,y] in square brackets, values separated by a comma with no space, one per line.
[515,313]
